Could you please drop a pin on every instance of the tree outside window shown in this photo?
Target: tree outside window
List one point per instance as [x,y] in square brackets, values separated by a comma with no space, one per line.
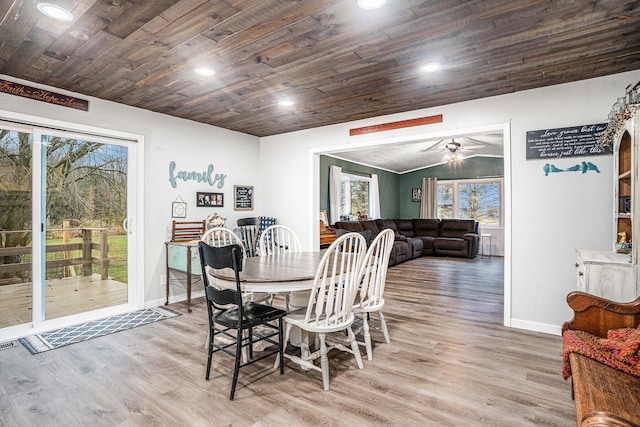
[472,199]
[354,196]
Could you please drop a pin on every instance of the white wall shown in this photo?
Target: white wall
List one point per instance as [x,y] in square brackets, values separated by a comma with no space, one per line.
[551,216]
[193,146]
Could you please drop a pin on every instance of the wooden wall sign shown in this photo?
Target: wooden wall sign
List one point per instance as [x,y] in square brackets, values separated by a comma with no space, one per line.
[571,141]
[396,125]
[42,95]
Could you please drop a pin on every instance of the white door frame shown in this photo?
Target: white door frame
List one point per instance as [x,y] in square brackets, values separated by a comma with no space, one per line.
[135,216]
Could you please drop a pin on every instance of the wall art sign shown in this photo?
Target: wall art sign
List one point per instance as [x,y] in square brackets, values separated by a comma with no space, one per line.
[416,194]
[214,200]
[43,95]
[242,197]
[571,141]
[214,180]
[396,125]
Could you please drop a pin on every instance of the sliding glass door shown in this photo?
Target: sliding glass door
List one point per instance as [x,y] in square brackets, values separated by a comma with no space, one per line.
[64,247]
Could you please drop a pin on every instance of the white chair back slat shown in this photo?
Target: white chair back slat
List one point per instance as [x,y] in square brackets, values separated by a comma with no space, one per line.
[278,239]
[337,279]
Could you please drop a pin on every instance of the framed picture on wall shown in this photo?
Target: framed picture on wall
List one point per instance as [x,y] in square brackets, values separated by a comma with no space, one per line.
[324,218]
[243,197]
[416,194]
[214,200]
[178,210]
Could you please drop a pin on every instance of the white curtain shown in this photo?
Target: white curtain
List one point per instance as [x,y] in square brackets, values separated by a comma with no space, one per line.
[374,197]
[335,176]
[429,203]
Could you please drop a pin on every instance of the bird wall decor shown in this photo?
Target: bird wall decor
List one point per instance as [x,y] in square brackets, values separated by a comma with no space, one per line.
[584,167]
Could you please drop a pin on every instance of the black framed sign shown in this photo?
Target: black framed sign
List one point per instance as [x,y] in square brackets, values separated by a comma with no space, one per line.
[215,200]
[571,141]
[243,197]
[416,194]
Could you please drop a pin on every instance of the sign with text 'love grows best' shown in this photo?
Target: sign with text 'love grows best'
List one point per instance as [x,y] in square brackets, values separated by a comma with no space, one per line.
[214,180]
[571,141]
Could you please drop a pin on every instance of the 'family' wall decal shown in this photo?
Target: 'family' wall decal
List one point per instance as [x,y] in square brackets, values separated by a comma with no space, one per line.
[584,167]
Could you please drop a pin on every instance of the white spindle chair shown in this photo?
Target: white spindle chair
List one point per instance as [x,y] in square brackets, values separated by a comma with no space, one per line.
[278,239]
[330,306]
[369,298]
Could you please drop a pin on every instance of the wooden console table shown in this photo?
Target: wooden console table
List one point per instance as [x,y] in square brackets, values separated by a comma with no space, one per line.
[184,257]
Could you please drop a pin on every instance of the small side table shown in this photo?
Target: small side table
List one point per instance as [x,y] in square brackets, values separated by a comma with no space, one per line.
[184,257]
[485,243]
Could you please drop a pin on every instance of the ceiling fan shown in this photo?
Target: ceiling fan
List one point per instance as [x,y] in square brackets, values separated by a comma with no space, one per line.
[452,148]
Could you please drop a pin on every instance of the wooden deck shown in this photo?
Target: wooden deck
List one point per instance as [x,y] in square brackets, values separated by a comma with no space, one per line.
[450,362]
[63,297]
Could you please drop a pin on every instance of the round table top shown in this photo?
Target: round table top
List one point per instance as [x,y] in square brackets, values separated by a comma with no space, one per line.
[290,271]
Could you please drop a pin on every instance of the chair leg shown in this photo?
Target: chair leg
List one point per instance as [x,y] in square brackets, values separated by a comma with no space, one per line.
[236,368]
[324,360]
[210,356]
[383,325]
[367,336]
[281,342]
[284,345]
[354,348]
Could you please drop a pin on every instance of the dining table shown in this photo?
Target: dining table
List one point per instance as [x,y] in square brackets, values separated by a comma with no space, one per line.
[289,273]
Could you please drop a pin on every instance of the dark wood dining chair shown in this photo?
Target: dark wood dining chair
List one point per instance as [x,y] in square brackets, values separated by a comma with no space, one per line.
[228,312]
[248,228]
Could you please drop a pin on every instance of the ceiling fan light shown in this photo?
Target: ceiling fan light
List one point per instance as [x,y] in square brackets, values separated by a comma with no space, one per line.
[55,12]
[371,4]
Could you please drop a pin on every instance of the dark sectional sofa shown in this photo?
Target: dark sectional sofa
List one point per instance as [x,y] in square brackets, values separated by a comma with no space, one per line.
[418,237]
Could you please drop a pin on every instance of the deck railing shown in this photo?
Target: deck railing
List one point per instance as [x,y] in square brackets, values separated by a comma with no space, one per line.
[86,259]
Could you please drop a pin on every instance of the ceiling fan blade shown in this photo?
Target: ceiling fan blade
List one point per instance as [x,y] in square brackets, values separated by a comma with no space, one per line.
[434,145]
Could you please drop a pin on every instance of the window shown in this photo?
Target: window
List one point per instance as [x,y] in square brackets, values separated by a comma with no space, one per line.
[354,196]
[478,199]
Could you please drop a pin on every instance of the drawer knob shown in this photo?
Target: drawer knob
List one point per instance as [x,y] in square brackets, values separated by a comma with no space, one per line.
[580,273]
[577,265]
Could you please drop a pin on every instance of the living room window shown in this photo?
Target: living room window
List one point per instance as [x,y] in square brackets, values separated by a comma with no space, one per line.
[480,199]
[354,196]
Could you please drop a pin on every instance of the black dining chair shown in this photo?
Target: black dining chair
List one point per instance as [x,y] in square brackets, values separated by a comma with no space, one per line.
[227,312]
[248,228]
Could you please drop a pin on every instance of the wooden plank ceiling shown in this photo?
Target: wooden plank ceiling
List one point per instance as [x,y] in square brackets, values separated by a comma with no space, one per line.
[336,61]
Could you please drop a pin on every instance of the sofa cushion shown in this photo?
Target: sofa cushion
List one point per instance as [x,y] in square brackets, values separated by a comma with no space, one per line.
[457,227]
[365,233]
[370,224]
[426,227]
[450,246]
[415,247]
[405,227]
[349,225]
[427,244]
[389,223]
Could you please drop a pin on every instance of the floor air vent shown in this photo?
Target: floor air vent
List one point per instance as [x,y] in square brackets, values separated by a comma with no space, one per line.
[7,345]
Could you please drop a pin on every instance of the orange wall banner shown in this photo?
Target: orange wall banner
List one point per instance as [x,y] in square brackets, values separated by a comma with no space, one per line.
[396,125]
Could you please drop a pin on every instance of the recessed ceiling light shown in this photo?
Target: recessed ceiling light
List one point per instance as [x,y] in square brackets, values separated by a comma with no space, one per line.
[286,103]
[430,68]
[55,12]
[371,4]
[203,71]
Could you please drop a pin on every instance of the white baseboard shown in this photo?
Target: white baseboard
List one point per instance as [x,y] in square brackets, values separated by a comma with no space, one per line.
[173,298]
[536,327]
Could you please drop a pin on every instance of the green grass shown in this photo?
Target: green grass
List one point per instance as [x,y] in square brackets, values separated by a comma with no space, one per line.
[117,257]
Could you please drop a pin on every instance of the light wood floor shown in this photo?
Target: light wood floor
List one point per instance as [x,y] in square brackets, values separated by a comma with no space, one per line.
[450,363]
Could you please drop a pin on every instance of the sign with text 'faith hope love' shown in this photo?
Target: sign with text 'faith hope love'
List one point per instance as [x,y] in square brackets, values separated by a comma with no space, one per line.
[214,180]
[571,141]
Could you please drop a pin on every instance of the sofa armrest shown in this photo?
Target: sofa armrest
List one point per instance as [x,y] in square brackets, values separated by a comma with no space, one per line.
[597,315]
[474,243]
